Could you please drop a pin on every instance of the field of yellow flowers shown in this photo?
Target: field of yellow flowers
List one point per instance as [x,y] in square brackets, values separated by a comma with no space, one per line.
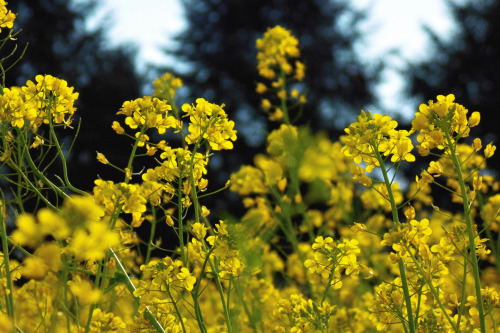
[329,242]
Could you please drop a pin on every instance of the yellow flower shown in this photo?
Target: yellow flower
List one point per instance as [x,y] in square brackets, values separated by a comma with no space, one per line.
[38,142]
[276,46]
[186,278]
[27,232]
[84,291]
[92,242]
[205,211]
[474,119]
[50,253]
[209,122]
[170,221]
[261,88]
[101,158]
[273,171]
[443,105]
[266,104]
[117,127]
[435,168]
[300,69]
[248,180]
[6,16]
[149,111]
[489,150]
[34,268]
[199,230]
[166,86]
[476,144]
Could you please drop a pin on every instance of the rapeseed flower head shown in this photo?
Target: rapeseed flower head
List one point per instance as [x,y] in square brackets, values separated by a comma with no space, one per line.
[371,135]
[248,180]
[166,86]
[6,16]
[209,122]
[49,99]
[276,46]
[149,111]
[437,119]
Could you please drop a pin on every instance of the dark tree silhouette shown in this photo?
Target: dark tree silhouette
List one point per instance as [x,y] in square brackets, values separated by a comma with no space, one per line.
[60,45]
[466,64]
[218,51]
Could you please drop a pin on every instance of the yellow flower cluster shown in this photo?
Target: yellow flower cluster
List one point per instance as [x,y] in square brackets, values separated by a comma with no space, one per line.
[437,119]
[376,135]
[6,16]
[331,260]
[299,315]
[50,99]
[228,256]
[276,49]
[78,225]
[149,111]
[298,259]
[160,275]
[129,198]
[209,122]
[277,45]
[166,86]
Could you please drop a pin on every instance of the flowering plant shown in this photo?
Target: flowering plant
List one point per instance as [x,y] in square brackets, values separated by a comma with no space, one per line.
[325,243]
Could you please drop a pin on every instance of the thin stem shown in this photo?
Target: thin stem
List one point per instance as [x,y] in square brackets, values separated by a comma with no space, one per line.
[131,288]
[152,234]
[63,158]
[284,107]
[9,299]
[221,293]
[395,217]
[250,316]
[470,232]
[432,288]
[176,308]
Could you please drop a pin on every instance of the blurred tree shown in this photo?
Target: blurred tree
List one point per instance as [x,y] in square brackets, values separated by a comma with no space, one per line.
[61,45]
[218,51]
[465,64]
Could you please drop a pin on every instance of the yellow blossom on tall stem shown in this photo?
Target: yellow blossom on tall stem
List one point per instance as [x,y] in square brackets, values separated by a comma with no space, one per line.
[441,125]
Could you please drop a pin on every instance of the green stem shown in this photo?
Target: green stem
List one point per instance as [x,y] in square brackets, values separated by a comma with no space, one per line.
[152,234]
[289,231]
[328,286]
[463,298]
[133,152]
[180,219]
[221,293]
[250,317]
[395,217]
[131,288]
[9,299]
[64,275]
[470,232]
[176,308]
[284,107]
[63,158]
[33,187]
[39,174]
[432,289]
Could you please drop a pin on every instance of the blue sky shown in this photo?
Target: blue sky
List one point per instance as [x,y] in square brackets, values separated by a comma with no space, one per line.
[392,25]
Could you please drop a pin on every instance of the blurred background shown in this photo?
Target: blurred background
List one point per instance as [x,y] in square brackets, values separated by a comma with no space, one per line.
[387,56]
